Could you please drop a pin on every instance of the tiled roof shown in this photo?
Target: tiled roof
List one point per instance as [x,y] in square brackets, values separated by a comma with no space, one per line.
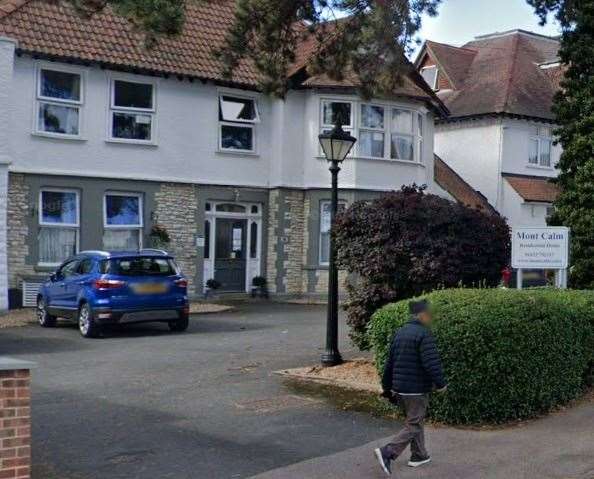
[462,192]
[533,188]
[503,76]
[55,29]
[454,62]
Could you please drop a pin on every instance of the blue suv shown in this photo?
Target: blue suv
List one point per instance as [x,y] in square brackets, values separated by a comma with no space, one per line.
[96,288]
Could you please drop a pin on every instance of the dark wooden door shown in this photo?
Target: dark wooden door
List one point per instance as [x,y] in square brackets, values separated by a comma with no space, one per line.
[230,253]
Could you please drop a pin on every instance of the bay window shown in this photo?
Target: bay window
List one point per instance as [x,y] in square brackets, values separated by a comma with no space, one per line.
[383,132]
[401,135]
[325,226]
[540,147]
[58,225]
[122,222]
[59,102]
[132,111]
[371,132]
[237,123]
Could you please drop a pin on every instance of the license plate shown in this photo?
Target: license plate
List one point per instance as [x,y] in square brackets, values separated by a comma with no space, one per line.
[149,288]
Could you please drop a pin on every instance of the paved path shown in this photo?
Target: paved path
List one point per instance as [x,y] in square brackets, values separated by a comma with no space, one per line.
[142,403]
[560,446]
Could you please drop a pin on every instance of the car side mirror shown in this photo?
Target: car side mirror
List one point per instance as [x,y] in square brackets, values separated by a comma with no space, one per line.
[53,277]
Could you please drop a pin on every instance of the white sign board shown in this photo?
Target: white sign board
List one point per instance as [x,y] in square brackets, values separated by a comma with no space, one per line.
[540,248]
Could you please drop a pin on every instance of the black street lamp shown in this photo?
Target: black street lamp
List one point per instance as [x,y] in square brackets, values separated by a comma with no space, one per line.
[336,146]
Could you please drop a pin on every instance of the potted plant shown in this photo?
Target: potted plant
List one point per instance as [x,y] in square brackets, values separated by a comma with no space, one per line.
[159,237]
[211,285]
[259,287]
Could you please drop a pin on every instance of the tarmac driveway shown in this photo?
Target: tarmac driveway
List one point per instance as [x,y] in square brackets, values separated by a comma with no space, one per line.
[145,403]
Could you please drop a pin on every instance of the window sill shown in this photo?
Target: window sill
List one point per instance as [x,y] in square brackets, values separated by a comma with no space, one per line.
[45,267]
[539,167]
[386,160]
[131,142]
[252,154]
[54,136]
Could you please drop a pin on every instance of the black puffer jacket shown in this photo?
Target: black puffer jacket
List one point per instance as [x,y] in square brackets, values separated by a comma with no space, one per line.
[413,365]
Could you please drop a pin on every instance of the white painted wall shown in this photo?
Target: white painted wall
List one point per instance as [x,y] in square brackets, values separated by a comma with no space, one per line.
[7,48]
[481,150]
[516,147]
[520,213]
[186,148]
[472,149]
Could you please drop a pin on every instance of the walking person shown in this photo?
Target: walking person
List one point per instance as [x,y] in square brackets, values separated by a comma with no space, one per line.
[412,370]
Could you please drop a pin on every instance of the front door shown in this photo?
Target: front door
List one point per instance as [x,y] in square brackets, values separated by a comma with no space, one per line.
[230,253]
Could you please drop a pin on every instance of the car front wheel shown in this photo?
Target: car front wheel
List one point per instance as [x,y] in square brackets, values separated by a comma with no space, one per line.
[45,319]
[86,324]
[179,325]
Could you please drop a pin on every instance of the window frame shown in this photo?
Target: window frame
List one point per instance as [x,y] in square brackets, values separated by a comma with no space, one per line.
[356,127]
[321,210]
[540,139]
[40,99]
[248,124]
[71,226]
[366,129]
[113,109]
[435,86]
[139,227]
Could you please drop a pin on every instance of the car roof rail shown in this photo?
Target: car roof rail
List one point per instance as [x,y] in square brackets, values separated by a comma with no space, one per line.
[153,250]
[92,251]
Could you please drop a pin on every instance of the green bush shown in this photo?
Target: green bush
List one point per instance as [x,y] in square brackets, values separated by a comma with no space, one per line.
[507,354]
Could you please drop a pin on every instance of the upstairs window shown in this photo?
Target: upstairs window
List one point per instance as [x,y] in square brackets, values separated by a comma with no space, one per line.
[132,111]
[401,135]
[237,119]
[429,74]
[382,131]
[58,225]
[59,101]
[122,222]
[540,147]
[372,138]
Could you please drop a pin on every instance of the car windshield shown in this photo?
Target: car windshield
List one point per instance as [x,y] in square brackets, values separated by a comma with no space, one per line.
[139,266]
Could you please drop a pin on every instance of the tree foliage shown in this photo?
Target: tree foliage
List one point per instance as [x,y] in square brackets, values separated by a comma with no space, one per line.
[366,37]
[574,111]
[407,243]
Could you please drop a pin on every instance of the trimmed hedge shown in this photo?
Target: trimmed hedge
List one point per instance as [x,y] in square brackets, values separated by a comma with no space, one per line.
[507,354]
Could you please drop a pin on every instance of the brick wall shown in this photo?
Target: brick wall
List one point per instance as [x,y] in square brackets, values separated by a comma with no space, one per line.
[176,210]
[15,430]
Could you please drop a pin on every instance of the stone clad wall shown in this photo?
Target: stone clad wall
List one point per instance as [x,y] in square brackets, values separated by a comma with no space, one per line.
[272,266]
[286,225]
[293,231]
[17,230]
[176,210]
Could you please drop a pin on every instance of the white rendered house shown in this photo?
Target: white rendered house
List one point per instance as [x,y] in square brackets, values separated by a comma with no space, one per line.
[498,136]
[102,141]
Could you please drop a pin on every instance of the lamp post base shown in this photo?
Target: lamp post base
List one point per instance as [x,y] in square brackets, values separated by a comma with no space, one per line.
[331,358]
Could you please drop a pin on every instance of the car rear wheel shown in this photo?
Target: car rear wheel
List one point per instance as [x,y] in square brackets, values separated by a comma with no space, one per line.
[86,324]
[179,325]
[45,319]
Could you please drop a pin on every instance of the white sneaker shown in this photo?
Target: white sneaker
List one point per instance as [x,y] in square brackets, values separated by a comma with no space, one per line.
[418,461]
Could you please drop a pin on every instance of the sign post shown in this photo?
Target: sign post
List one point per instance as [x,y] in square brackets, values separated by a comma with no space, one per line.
[541,248]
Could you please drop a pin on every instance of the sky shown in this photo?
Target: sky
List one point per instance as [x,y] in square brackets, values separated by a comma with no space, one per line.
[459,21]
